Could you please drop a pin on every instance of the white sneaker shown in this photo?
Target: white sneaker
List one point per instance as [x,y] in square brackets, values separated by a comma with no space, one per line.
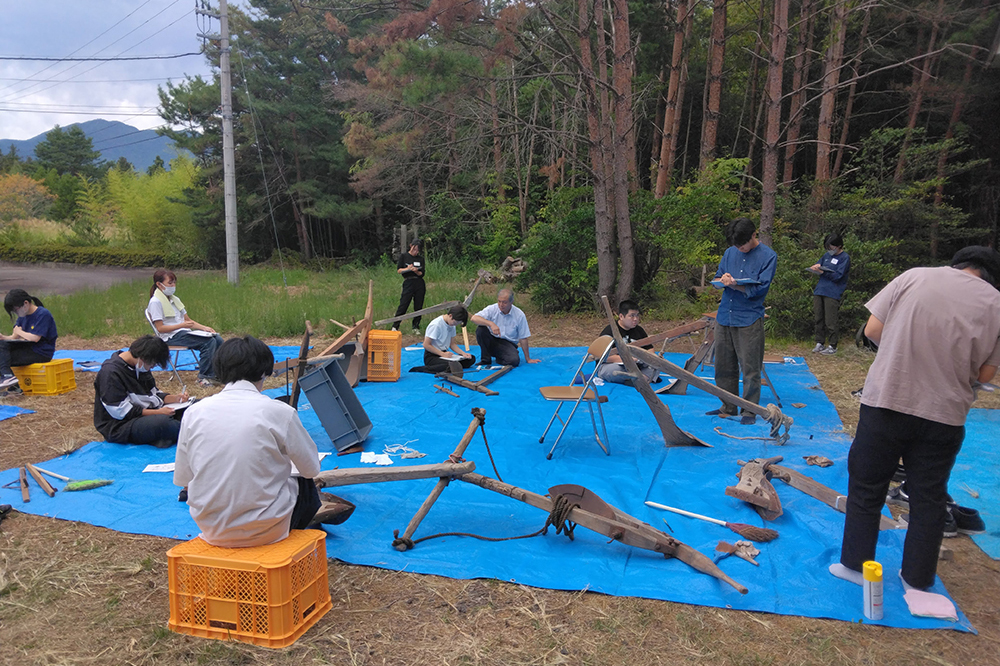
[8,381]
[818,348]
[829,351]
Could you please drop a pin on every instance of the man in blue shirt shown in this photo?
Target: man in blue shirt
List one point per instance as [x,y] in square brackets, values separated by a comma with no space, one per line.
[833,270]
[745,274]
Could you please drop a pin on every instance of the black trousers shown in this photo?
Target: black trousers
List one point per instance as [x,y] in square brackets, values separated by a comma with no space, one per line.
[928,450]
[18,353]
[826,318]
[159,430]
[413,290]
[307,503]
[739,348]
[434,363]
[492,347]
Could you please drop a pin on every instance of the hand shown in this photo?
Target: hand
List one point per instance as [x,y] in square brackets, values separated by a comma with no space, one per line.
[533,360]
[166,410]
[815,268]
[494,329]
[465,355]
[182,397]
[727,279]
[207,329]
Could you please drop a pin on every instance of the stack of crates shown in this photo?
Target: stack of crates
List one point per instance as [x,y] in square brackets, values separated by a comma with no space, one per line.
[52,378]
[384,351]
[265,595]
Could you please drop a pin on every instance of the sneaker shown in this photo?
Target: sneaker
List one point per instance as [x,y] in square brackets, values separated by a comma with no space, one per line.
[748,419]
[485,361]
[818,348]
[182,496]
[9,380]
[205,382]
[967,521]
[416,331]
[829,351]
[720,413]
[950,526]
[898,496]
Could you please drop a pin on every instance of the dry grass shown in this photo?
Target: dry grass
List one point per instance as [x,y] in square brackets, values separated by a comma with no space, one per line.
[71,593]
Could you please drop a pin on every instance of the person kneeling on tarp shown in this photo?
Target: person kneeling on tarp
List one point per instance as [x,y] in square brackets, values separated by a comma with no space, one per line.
[440,343]
[128,408]
[235,456]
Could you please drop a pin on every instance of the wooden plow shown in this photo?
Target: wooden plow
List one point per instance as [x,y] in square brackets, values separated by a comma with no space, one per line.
[565,504]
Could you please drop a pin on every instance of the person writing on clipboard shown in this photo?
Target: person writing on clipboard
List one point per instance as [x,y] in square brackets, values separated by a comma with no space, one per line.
[744,276]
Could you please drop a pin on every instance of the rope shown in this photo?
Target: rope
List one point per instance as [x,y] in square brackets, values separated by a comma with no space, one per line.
[558,517]
[482,428]
[718,429]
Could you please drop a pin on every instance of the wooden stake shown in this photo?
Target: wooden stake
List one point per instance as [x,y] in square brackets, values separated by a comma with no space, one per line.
[351,476]
[25,494]
[444,389]
[40,480]
[465,336]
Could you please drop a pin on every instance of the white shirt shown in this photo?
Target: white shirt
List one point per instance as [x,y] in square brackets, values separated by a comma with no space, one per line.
[155,310]
[440,333]
[513,325]
[235,455]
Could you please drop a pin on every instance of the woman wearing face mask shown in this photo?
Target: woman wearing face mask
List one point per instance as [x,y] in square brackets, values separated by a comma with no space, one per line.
[174,326]
[128,408]
[33,339]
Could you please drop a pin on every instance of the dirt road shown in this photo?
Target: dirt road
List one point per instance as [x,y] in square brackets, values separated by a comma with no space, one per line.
[47,279]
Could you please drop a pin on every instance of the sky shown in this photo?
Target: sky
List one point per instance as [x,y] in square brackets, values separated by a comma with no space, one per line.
[35,95]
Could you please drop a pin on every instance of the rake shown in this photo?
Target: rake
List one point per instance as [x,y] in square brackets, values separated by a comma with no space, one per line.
[751,532]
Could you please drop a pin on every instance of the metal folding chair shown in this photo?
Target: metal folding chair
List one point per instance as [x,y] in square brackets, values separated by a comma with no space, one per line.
[587,393]
[176,351]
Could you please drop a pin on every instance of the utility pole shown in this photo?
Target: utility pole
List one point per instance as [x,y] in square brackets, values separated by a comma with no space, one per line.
[228,156]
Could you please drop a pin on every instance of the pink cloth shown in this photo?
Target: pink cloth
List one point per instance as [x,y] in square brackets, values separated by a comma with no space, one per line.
[928,604]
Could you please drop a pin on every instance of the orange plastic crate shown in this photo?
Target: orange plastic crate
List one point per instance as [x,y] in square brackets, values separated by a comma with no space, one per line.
[384,351]
[265,595]
[52,378]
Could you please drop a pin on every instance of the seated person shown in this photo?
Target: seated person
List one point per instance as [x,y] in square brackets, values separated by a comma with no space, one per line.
[500,328]
[440,341]
[175,327]
[235,456]
[128,408]
[628,327]
[33,339]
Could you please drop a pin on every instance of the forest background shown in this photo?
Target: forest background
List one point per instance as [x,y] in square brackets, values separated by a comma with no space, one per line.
[607,143]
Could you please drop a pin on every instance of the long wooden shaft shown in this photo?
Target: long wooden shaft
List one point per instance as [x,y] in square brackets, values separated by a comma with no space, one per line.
[656,505]
[694,380]
[493,376]
[422,512]
[475,386]
[23,478]
[52,474]
[465,337]
[344,337]
[431,310]
[355,476]
[40,480]
[478,418]
[303,359]
[472,294]
[680,331]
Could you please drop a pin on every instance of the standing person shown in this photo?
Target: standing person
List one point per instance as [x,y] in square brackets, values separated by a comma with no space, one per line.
[174,326]
[412,267]
[33,339]
[938,332]
[500,328]
[745,272]
[630,330]
[128,408]
[440,341]
[833,270]
[235,457]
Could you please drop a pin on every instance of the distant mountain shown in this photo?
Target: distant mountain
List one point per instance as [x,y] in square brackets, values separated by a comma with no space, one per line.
[113,140]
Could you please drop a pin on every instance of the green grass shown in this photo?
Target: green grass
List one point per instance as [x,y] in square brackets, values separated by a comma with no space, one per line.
[261,305]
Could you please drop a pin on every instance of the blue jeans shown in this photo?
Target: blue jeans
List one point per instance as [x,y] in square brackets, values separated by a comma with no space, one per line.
[204,345]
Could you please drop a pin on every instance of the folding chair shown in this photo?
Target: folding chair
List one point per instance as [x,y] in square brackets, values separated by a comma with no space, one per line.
[176,351]
[598,353]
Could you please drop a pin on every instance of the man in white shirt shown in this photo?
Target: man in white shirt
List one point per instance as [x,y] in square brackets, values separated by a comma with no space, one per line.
[440,344]
[500,328]
[235,455]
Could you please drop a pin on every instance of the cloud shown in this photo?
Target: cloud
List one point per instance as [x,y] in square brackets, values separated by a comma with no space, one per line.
[35,96]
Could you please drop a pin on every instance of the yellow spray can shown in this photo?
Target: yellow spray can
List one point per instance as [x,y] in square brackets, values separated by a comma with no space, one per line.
[872,572]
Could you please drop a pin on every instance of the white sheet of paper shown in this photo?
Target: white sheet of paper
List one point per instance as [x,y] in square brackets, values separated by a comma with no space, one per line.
[451,357]
[383,459]
[162,467]
[414,348]
[180,405]
[368,456]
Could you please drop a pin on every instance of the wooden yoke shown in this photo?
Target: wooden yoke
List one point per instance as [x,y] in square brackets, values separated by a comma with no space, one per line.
[672,435]
[772,414]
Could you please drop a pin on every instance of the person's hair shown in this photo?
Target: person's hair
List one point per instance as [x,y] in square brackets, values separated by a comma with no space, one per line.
[15,298]
[833,240]
[416,242]
[161,275]
[243,358]
[508,291]
[625,306]
[984,259]
[741,230]
[459,313]
[150,348]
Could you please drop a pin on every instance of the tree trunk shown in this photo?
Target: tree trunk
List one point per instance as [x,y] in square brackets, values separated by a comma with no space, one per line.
[657,135]
[497,150]
[918,96]
[713,85]
[800,83]
[851,91]
[677,60]
[831,78]
[772,129]
[675,132]
[623,149]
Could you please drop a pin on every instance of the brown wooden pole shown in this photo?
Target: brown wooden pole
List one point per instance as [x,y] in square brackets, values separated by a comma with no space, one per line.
[355,476]
[402,543]
[431,310]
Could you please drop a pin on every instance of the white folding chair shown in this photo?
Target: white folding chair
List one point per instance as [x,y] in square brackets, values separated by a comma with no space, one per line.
[587,393]
[176,351]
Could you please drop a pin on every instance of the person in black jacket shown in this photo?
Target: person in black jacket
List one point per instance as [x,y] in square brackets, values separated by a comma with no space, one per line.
[628,326]
[128,408]
[412,267]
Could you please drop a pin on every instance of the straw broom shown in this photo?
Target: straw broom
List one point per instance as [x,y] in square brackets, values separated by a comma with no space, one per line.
[751,532]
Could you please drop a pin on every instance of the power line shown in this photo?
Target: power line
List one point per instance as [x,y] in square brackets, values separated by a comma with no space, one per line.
[160,78]
[111,59]
[79,113]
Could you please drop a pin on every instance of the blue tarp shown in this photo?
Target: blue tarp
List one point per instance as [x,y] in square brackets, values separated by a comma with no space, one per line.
[10,411]
[976,473]
[89,360]
[792,578]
